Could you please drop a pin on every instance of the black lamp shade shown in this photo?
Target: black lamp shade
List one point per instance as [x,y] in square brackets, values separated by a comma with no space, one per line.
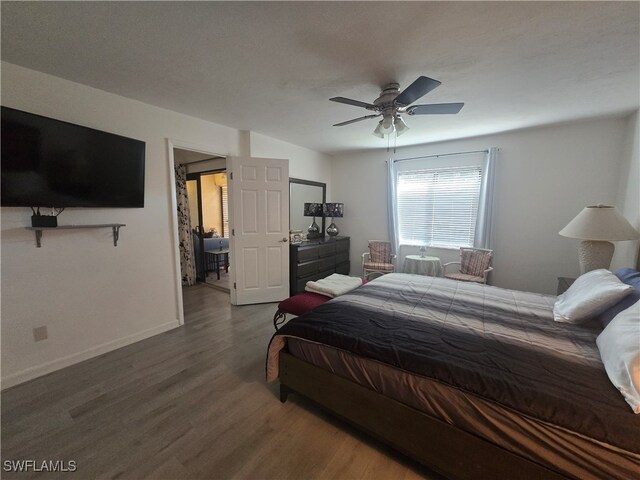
[312,209]
[334,210]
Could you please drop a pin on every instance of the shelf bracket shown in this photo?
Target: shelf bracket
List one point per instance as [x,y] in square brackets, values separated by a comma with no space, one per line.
[116,234]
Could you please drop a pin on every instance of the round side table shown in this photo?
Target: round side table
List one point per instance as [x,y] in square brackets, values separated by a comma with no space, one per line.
[422,265]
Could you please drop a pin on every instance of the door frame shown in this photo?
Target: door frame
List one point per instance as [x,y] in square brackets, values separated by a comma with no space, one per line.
[175,240]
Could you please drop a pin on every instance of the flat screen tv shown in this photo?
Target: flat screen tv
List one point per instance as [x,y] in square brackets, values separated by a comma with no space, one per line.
[50,163]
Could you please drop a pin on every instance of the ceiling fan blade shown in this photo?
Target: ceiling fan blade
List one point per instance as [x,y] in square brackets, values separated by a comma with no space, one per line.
[419,88]
[356,120]
[435,109]
[355,103]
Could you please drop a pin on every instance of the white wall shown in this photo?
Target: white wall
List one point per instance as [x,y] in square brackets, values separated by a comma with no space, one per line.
[626,254]
[303,163]
[545,176]
[94,297]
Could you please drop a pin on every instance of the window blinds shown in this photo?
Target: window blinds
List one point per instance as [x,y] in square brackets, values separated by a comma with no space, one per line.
[438,207]
[225,211]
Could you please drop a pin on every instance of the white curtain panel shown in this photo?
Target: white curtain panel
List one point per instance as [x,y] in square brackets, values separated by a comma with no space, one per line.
[185,239]
[392,213]
[484,221]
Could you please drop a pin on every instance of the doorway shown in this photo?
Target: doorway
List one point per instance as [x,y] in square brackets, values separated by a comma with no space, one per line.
[202,209]
[209,212]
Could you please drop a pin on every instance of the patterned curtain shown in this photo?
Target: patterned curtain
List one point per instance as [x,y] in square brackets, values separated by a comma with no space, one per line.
[187,262]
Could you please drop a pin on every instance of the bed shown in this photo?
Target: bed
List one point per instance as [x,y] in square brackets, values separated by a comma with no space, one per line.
[471,380]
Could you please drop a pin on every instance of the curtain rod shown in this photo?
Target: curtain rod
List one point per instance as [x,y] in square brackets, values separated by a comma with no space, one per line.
[441,155]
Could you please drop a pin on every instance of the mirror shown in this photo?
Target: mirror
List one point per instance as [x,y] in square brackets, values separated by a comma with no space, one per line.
[301,192]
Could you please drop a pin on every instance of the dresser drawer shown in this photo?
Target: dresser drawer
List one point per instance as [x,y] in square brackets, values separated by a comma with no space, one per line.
[327,250]
[342,257]
[306,269]
[326,263]
[306,254]
[343,268]
[342,245]
[326,273]
[300,283]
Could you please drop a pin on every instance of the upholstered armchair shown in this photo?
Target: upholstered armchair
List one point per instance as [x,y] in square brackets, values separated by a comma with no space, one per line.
[474,265]
[378,259]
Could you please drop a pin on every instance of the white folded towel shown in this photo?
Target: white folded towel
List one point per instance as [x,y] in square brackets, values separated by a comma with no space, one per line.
[334,285]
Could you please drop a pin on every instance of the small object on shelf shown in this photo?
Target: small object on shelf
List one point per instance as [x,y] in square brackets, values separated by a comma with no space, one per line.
[49,221]
[44,221]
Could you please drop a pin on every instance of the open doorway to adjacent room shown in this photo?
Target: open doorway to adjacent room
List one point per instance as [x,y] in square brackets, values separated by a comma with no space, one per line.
[209,208]
[207,205]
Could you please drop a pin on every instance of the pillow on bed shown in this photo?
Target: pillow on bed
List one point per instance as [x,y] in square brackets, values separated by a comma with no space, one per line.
[590,295]
[630,277]
[619,346]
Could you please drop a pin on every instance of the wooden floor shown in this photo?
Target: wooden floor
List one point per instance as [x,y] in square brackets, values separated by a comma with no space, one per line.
[189,403]
[223,283]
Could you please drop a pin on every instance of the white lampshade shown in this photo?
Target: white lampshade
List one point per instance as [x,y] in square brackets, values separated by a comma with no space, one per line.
[401,127]
[600,222]
[378,131]
[386,125]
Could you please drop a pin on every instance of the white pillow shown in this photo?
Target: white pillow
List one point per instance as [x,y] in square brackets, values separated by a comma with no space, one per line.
[619,346]
[590,295]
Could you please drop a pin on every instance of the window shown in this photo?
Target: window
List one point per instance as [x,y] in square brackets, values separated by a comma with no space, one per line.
[225,211]
[438,207]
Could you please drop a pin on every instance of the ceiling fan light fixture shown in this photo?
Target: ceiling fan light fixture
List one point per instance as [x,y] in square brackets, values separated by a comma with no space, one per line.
[386,125]
[401,127]
[378,131]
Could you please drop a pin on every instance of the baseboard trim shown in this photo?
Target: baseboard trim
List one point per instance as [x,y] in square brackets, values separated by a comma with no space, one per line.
[49,367]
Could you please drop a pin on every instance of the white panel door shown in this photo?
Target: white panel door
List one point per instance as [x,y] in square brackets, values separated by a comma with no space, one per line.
[259,222]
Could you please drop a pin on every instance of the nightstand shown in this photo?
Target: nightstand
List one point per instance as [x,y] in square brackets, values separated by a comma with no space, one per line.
[564,283]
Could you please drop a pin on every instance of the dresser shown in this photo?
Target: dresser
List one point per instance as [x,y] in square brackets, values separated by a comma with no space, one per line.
[315,259]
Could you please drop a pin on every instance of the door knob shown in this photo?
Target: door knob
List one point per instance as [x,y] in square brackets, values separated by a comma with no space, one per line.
[284,239]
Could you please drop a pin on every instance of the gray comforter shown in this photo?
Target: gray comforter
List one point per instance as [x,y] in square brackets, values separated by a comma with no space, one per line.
[500,344]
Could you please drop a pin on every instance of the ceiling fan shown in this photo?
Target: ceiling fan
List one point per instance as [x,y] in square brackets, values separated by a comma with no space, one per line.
[391,104]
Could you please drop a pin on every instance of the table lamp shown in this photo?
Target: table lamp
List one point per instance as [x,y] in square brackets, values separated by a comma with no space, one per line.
[313,210]
[333,210]
[597,226]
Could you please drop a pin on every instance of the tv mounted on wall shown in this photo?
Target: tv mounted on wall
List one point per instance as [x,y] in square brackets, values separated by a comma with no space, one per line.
[50,163]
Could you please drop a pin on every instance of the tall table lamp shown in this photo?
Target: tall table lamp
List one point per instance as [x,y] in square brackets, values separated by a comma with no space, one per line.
[313,210]
[597,226]
[333,210]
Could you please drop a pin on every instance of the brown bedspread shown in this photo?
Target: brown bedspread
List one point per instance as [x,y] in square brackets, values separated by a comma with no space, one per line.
[499,344]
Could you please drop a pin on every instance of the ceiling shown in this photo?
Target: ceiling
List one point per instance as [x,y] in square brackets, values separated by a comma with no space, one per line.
[271,67]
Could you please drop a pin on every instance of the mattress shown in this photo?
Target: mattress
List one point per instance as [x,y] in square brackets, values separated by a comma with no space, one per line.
[562,450]
[496,345]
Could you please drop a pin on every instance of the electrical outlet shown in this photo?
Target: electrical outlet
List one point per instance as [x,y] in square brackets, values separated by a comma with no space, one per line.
[40,333]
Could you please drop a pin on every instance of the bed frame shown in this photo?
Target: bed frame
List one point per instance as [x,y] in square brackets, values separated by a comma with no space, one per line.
[444,448]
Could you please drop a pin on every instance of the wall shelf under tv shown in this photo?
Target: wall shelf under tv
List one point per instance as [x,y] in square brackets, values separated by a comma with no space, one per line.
[114,226]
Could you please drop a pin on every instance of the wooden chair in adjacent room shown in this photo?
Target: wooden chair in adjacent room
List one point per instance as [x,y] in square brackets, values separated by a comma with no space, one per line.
[378,259]
[475,265]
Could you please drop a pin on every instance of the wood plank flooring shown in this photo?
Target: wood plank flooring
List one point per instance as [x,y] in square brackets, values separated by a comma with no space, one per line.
[189,403]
